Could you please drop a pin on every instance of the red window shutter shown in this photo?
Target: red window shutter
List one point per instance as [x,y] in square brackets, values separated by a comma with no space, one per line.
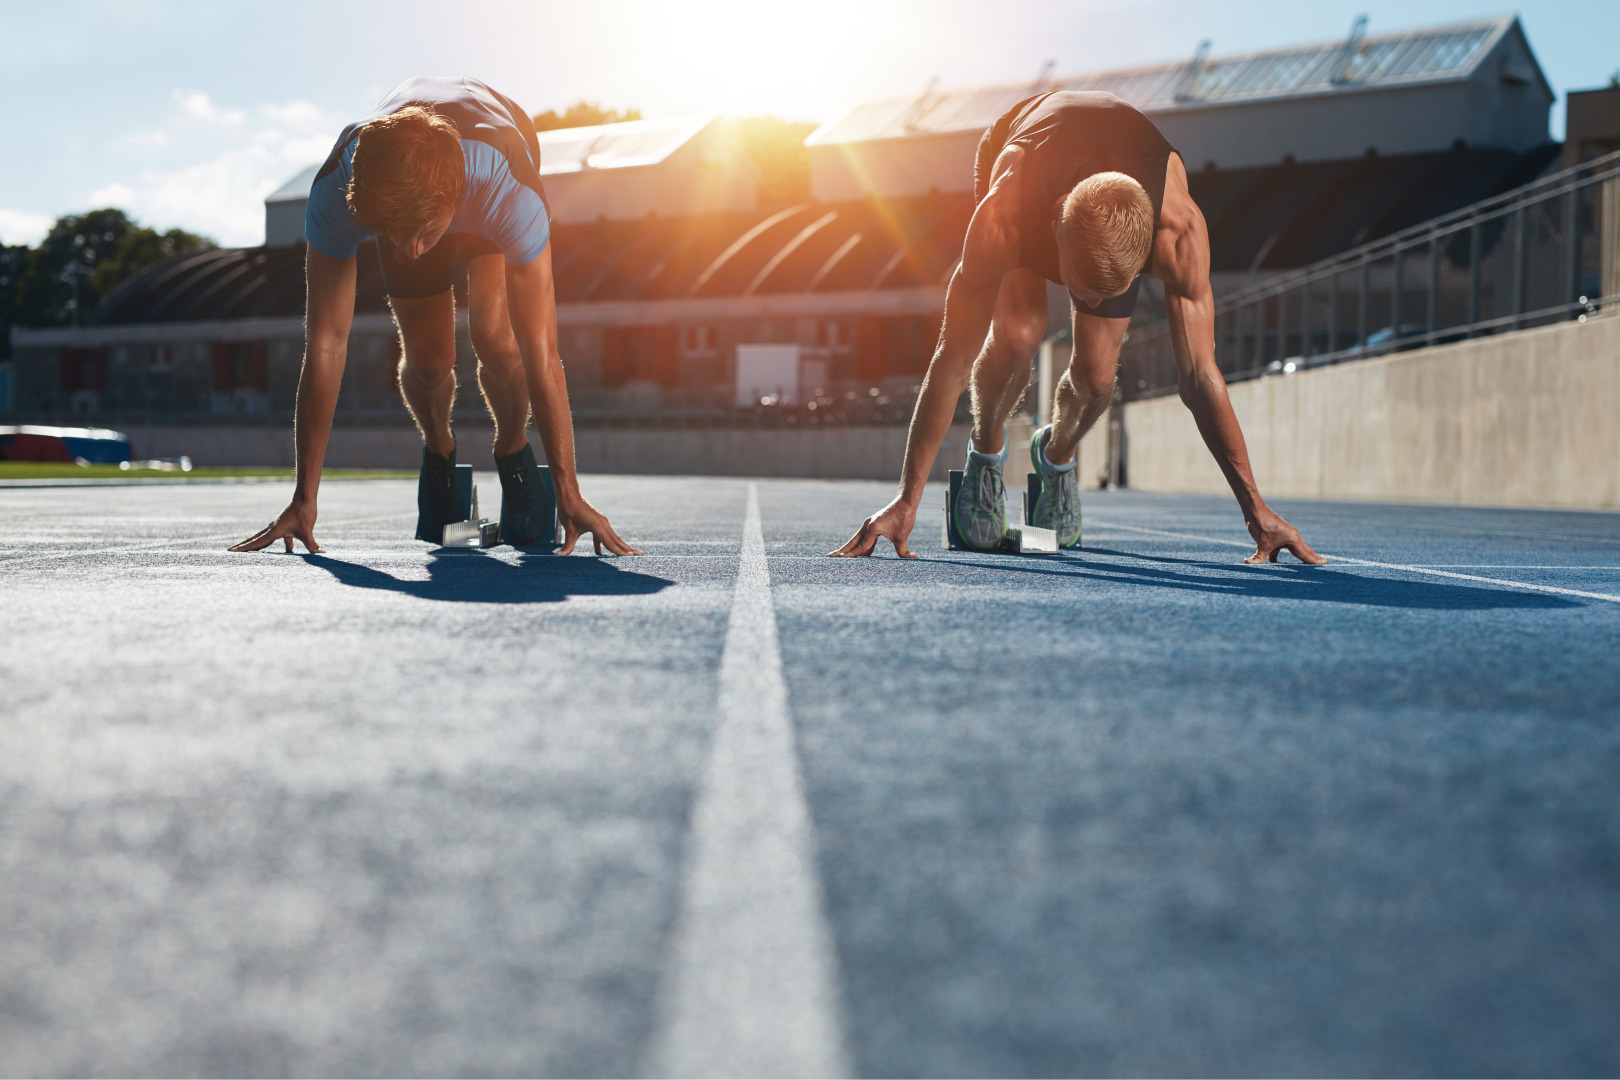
[224,368]
[920,347]
[252,369]
[870,363]
[666,351]
[613,357]
[639,360]
[83,369]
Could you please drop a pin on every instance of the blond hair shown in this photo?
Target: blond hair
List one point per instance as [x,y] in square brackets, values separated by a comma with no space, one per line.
[1107,231]
[408,171]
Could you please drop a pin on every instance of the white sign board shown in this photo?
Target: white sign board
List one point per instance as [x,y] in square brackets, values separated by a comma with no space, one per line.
[767,372]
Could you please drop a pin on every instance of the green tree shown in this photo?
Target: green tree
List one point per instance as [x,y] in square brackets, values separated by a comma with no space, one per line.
[582,114]
[86,256]
[140,248]
[13,269]
[777,150]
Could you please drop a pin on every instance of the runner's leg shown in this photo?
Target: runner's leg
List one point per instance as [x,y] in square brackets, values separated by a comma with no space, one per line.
[500,363]
[1087,386]
[1001,372]
[427,364]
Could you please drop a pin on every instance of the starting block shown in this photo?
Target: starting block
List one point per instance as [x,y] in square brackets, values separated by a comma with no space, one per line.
[1021,539]
[472,530]
[475,530]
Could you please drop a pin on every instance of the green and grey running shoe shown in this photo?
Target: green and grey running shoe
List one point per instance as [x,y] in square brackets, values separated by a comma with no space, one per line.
[1057,507]
[981,504]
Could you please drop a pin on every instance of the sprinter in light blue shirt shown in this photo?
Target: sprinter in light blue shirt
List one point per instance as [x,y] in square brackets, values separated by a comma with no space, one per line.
[444,177]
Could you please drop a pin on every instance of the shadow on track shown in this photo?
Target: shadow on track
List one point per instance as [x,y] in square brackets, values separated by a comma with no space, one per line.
[1322,584]
[470,577]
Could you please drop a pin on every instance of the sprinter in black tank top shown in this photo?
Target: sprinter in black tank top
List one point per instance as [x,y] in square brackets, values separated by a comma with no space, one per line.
[1066,137]
[1043,158]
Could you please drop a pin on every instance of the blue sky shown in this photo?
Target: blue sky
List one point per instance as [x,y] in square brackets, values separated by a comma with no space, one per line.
[188,113]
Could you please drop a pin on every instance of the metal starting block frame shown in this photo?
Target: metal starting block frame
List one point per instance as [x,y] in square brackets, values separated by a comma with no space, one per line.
[1021,539]
[472,530]
[481,532]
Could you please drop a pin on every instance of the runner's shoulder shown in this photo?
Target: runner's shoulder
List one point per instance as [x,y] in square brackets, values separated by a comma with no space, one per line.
[992,245]
[1181,246]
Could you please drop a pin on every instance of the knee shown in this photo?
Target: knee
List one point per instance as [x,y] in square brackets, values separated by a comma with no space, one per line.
[1091,385]
[427,362]
[495,346]
[1022,334]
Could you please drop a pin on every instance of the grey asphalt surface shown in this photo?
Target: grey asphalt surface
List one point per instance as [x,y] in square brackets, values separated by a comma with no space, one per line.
[1134,810]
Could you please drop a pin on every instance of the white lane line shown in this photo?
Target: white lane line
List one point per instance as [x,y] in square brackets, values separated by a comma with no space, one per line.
[1509,566]
[1384,565]
[752,987]
[173,542]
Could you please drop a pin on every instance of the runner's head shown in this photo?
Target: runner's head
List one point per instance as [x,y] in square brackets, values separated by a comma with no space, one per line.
[408,174]
[1104,235]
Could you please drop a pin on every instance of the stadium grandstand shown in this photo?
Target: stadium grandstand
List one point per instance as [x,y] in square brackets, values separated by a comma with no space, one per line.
[667,262]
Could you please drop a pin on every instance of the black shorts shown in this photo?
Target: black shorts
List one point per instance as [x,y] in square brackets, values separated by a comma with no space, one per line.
[443,265]
[1115,307]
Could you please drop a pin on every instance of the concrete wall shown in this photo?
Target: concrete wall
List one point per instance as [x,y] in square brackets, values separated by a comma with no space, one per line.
[284,221]
[872,453]
[1591,125]
[1523,419]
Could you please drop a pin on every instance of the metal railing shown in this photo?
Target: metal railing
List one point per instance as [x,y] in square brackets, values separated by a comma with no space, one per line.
[1545,252]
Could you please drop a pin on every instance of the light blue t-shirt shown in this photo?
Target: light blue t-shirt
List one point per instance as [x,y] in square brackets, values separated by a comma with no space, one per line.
[494,205]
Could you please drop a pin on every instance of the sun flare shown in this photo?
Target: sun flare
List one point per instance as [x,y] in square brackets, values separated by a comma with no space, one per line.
[751,57]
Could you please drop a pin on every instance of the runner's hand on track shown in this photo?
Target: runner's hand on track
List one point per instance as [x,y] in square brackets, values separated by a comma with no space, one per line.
[296,522]
[1272,535]
[894,521]
[585,518]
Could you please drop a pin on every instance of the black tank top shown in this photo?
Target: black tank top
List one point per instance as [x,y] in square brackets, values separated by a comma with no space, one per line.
[1067,136]
[479,113]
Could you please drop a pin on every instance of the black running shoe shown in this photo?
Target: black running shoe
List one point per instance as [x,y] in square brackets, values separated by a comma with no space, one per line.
[436,496]
[527,515]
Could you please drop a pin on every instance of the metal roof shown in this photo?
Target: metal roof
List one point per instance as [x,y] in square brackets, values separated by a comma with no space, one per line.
[1436,54]
[296,189]
[571,150]
[617,146]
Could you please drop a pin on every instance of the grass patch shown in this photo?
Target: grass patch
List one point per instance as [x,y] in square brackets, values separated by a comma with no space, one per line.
[53,470]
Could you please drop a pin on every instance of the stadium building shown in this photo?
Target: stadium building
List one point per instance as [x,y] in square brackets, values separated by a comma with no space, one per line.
[682,296]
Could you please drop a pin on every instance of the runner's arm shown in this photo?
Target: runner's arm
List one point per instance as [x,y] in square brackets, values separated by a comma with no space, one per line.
[330,312]
[969,307]
[1181,260]
[531,299]
[988,252]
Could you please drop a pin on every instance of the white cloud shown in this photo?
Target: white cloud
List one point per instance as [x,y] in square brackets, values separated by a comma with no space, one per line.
[220,191]
[222,197]
[23,227]
[199,106]
[114,194]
